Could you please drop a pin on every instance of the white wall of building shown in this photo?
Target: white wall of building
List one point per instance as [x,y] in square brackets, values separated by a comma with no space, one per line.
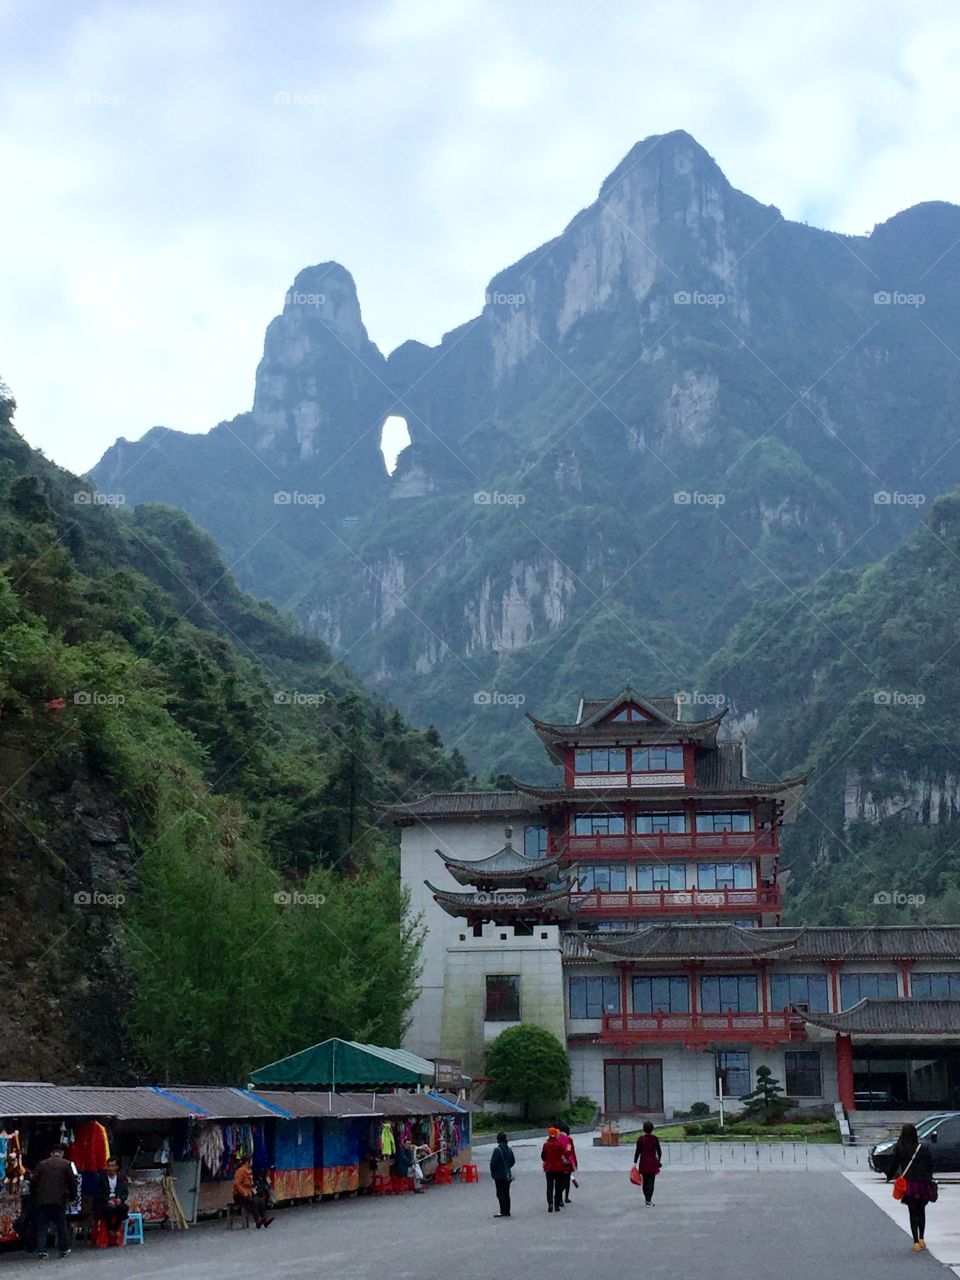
[468,840]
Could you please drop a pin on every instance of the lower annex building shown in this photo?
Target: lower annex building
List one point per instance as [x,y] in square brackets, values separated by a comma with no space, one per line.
[633,909]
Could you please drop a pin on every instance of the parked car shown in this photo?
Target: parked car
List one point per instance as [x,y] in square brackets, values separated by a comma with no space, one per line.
[940,1130]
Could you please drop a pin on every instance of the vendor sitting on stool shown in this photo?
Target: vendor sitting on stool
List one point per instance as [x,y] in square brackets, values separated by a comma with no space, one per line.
[109,1206]
[245,1194]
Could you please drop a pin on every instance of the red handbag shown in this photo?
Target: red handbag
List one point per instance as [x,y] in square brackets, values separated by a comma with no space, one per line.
[635,1177]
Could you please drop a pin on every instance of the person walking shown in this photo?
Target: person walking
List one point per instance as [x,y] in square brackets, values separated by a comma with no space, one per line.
[570,1152]
[554,1166]
[501,1171]
[647,1156]
[913,1166]
[53,1186]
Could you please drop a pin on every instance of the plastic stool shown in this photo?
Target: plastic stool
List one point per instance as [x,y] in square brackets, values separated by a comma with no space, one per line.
[379,1185]
[133,1229]
[469,1173]
[442,1176]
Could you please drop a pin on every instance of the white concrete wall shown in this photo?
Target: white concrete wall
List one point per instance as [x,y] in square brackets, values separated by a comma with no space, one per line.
[536,960]
[468,840]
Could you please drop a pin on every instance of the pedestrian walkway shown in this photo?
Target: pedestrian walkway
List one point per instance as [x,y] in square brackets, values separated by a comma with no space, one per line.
[726,1226]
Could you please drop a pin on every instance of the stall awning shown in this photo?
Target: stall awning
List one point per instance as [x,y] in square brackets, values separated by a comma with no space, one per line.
[345,1064]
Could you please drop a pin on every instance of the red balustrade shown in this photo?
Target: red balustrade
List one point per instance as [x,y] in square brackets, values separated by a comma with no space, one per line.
[631,902]
[767,1028]
[689,844]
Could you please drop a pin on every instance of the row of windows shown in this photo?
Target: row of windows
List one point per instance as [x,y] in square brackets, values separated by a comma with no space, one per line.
[591,997]
[613,878]
[739,993]
[647,824]
[642,760]
[644,824]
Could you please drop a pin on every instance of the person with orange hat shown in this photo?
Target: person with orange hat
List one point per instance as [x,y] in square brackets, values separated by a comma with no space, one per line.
[555,1167]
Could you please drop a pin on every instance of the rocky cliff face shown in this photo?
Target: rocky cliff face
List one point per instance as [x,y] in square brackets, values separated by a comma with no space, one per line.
[681,405]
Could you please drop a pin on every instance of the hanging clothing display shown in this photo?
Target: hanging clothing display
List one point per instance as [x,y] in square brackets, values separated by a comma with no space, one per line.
[90,1149]
[388,1143]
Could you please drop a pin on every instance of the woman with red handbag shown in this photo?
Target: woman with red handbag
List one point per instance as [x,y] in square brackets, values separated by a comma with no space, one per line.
[914,1184]
[647,1157]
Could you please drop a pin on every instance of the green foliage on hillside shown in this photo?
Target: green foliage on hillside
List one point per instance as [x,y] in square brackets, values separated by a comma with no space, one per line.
[189,800]
[858,685]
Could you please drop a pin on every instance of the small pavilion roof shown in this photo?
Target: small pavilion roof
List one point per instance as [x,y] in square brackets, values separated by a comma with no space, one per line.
[508,866]
[504,904]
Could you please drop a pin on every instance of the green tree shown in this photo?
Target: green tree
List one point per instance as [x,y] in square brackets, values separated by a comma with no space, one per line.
[528,1064]
[765,1101]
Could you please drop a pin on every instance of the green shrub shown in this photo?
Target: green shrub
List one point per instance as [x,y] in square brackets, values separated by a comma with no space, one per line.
[700,1109]
[692,1130]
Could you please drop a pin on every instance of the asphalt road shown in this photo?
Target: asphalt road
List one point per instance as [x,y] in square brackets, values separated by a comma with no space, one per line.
[724,1226]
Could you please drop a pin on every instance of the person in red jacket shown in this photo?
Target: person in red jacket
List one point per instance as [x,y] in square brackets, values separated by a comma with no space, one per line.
[555,1166]
[570,1151]
[647,1157]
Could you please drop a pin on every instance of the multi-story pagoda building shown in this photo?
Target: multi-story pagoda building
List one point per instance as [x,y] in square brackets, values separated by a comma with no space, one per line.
[639,919]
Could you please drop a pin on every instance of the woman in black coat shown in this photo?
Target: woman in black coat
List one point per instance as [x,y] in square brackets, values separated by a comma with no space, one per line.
[913,1161]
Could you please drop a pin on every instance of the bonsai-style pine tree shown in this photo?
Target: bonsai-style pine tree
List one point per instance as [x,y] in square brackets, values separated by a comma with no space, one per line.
[765,1101]
[527,1064]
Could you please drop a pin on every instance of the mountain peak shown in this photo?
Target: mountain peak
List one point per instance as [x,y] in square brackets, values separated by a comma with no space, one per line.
[678,151]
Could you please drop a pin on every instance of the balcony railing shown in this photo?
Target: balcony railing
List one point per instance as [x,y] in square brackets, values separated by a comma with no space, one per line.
[623,1028]
[662,846]
[630,902]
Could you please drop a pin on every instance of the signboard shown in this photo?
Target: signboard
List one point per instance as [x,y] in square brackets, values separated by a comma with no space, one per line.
[447,1073]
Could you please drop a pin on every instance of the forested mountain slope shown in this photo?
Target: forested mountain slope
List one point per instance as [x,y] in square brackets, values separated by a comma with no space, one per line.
[192,874]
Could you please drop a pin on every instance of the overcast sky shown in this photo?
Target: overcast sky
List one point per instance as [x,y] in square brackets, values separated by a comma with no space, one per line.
[169,167]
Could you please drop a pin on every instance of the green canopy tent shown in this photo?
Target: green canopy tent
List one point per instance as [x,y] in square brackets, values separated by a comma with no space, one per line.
[345,1064]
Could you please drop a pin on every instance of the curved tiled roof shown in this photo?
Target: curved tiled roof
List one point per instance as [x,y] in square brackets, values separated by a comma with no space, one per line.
[702,941]
[900,1017]
[462,804]
[503,902]
[506,865]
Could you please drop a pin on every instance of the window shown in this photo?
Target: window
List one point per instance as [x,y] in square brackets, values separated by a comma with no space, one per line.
[656,995]
[808,990]
[672,876]
[862,986]
[725,875]
[802,1073]
[934,986]
[733,1069]
[599,824]
[593,997]
[605,878]
[724,822]
[736,993]
[601,760]
[633,1086]
[656,824]
[658,759]
[503,997]
[613,926]
[535,842]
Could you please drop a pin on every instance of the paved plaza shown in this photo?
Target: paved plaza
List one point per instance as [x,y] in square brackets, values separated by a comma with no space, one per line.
[725,1225]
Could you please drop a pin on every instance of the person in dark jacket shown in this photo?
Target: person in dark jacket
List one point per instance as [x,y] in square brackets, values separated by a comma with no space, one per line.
[555,1165]
[647,1156]
[110,1202]
[53,1186]
[912,1160]
[501,1165]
